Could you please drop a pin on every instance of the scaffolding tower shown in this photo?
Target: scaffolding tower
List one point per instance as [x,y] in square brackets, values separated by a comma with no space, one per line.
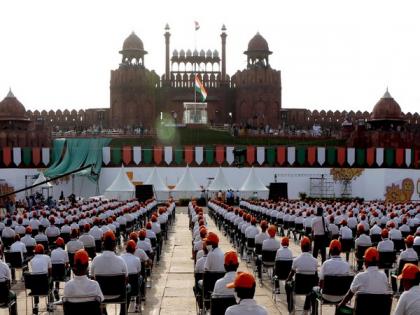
[321,187]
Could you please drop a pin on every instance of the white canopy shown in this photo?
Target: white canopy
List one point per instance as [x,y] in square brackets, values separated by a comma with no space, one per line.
[220,182]
[253,183]
[155,180]
[121,188]
[41,178]
[187,182]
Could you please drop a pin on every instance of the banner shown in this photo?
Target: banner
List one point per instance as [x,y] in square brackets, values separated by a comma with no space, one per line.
[179,158]
[27,156]
[331,156]
[46,156]
[250,154]
[281,155]
[360,157]
[408,157]
[106,155]
[220,154]
[137,155]
[126,154]
[301,155]
[321,155]
[311,155]
[189,155]
[389,157]
[168,155]
[230,157]
[351,156]
[36,156]
[370,156]
[116,156]
[379,156]
[271,156]
[199,155]
[17,156]
[260,155]
[209,155]
[7,156]
[399,157]
[157,154]
[147,154]
[341,156]
[291,155]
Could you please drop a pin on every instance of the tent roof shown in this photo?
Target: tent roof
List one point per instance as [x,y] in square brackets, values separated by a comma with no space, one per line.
[121,182]
[41,178]
[220,182]
[187,182]
[253,183]
[155,180]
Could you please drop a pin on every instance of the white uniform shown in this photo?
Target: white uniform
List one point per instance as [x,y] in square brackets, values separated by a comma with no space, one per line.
[284,253]
[74,245]
[220,285]
[18,246]
[371,281]
[87,240]
[108,264]
[5,273]
[409,255]
[59,256]
[199,265]
[305,263]
[271,244]
[386,246]
[363,240]
[133,263]
[409,302]
[246,307]
[141,254]
[334,266]
[40,264]
[82,289]
[261,237]
[215,261]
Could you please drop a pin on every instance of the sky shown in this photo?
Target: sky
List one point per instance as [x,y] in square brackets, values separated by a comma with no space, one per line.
[333,55]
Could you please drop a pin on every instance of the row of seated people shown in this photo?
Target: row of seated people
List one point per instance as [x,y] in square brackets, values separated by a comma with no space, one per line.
[55,263]
[218,287]
[278,255]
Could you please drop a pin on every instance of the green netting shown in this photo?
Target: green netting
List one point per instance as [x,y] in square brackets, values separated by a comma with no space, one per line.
[179,157]
[301,155]
[209,155]
[57,152]
[79,153]
[147,154]
[331,156]
[271,156]
[27,156]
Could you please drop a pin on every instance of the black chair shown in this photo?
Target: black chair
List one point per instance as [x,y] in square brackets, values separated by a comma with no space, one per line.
[71,259]
[281,272]
[336,286]
[29,251]
[135,280]
[7,241]
[399,245]
[304,283]
[386,260]
[6,300]
[39,285]
[360,256]
[209,279]
[218,305]
[85,307]
[368,304]
[375,238]
[113,288]
[59,273]
[91,251]
[65,237]
[14,259]
[417,249]
[268,261]
[258,249]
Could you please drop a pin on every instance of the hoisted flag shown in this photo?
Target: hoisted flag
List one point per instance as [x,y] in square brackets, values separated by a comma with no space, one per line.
[199,88]
[196,25]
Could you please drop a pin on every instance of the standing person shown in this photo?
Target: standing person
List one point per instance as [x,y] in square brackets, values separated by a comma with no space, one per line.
[409,302]
[244,286]
[320,234]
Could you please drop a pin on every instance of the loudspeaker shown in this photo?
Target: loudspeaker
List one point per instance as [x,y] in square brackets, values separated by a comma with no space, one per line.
[277,191]
[144,192]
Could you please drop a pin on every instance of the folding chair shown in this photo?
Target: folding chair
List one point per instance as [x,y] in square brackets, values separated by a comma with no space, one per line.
[7,241]
[7,298]
[113,288]
[399,245]
[250,246]
[368,304]
[197,292]
[39,286]
[281,272]
[335,286]
[218,305]
[268,262]
[303,285]
[135,281]
[71,307]
[386,260]
[359,255]
[15,261]
[98,246]
[209,279]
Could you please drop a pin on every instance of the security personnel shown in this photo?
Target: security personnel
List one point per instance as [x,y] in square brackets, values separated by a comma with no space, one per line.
[81,288]
[244,286]
[409,302]
[231,265]
[372,281]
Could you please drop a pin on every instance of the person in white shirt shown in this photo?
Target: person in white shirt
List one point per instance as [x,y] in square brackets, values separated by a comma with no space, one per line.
[362,240]
[334,266]
[61,257]
[87,239]
[346,238]
[371,281]
[386,245]
[215,258]
[18,246]
[199,265]
[283,254]
[8,234]
[74,244]
[319,232]
[6,276]
[28,240]
[231,265]
[133,267]
[81,288]
[244,286]
[409,301]
[262,236]
[108,263]
[305,263]
[409,254]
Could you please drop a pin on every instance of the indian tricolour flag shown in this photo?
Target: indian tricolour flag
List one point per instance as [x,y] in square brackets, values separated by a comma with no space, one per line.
[199,88]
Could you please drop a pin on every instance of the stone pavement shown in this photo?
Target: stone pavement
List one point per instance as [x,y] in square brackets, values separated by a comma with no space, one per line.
[173,278]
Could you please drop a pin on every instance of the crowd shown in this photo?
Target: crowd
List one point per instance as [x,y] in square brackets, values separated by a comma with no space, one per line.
[382,238]
[92,246]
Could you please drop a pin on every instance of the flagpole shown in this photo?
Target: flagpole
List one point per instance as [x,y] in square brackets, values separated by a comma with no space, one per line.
[194,65]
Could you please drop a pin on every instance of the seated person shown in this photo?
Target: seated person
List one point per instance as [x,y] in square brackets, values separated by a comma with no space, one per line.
[270,244]
[41,237]
[409,254]
[283,254]
[74,244]
[40,264]
[81,288]
[334,266]
[409,301]
[305,263]
[6,276]
[215,257]
[18,247]
[386,245]
[87,240]
[28,240]
[244,286]
[371,281]
[59,256]
[133,267]
[346,238]
[364,240]
[231,265]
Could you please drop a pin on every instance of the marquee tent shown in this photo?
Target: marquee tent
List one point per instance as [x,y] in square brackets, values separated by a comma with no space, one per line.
[219,182]
[187,187]
[253,187]
[161,190]
[121,188]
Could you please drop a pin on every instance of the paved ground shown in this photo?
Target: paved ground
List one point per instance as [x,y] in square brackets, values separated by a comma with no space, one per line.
[173,279]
